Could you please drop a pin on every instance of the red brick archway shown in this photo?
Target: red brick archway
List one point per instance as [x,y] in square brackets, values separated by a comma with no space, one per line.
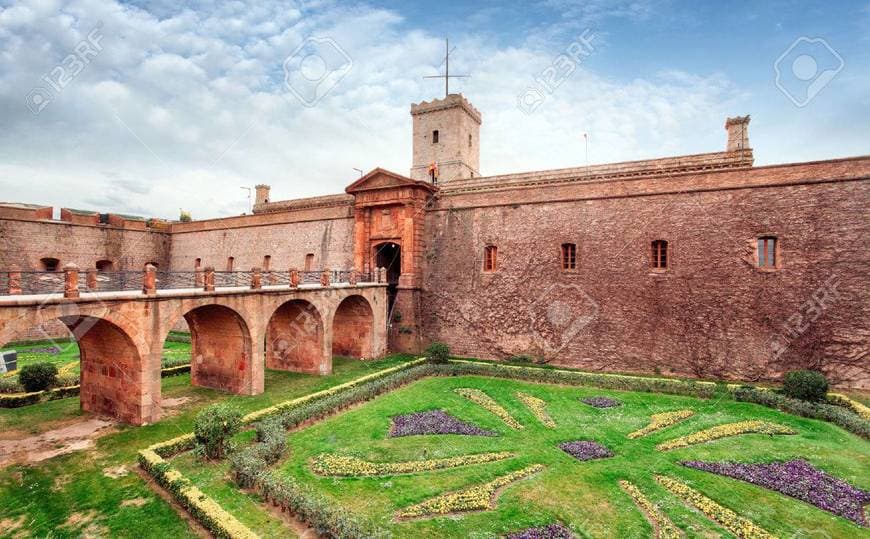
[220,356]
[294,338]
[111,368]
[352,328]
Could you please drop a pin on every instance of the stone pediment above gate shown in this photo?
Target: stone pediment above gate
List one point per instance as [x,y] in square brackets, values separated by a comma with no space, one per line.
[380,187]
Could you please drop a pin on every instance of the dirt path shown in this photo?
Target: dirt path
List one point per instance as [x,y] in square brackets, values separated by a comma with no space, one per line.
[74,436]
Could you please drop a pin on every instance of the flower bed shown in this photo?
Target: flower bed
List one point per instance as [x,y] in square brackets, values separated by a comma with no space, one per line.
[479,397]
[844,401]
[476,498]
[552,531]
[741,527]
[798,479]
[660,421]
[347,466]
[601,402]
[586,450]
[433,422]
[538,407]
[664,528]
[725,431]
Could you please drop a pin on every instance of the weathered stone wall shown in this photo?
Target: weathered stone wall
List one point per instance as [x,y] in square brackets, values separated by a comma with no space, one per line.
[713,313]
[24,242]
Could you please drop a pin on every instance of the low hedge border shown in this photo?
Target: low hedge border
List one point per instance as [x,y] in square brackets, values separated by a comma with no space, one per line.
[19,400]
[250,465]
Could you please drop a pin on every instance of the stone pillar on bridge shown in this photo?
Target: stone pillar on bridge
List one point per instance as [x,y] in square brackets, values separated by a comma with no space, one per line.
[294,278]
[256,278]
[149,281]
[71,281]
[208,279]
[91,279]
[324,277]
[14,280]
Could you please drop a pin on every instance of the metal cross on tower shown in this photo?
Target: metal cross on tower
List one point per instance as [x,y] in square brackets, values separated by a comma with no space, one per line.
[447,76]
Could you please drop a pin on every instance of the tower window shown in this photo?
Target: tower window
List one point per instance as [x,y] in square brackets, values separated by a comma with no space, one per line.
[767,252]
[569,256]
[267,261]
[309,261]
[659,254]
[435,137]
[469,140]
[230,263]
[490,258]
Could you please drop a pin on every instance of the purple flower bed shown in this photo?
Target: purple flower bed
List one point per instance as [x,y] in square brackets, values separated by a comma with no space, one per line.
[601,402]
[798,479]
[433,422]
[585,450]
[553,531]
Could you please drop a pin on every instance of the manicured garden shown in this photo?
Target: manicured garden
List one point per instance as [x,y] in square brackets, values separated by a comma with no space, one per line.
[418,455]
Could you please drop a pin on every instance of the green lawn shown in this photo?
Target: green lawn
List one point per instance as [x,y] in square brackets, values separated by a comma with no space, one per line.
[70,496]
[583,495]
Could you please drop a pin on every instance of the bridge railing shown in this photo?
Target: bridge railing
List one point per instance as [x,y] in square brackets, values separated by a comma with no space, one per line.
[70,282]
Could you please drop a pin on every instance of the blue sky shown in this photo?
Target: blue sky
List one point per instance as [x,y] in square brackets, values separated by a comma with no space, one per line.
[185,103]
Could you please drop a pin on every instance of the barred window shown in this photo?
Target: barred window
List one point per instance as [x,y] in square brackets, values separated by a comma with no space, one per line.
[490,258]
[659,254]
[569,256]
[767,252]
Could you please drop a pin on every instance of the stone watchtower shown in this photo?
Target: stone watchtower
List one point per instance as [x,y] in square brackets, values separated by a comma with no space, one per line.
[446,140]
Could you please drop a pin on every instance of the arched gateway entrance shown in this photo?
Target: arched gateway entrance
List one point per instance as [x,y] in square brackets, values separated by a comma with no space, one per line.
[389,255]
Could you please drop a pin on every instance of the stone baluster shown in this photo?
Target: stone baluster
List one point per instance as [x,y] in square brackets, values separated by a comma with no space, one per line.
[149,281]
[91,279]
[324,277]
[71,281]
[294,278]
[15,281]
[208,279]
[352,277]
[256,278]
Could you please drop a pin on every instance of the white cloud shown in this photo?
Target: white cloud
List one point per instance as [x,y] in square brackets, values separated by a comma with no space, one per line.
[186,104]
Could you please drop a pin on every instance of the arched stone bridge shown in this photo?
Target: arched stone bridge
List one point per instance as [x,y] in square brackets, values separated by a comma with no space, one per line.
[236,333]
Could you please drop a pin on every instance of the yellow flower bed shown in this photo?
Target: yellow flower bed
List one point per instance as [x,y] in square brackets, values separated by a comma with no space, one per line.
[664,527]
[479,397]
[352,466]
[660,421]
[68,368]
[538,407]
[844,401]
[725,431]
[266,412]
[741,527]
[476,498]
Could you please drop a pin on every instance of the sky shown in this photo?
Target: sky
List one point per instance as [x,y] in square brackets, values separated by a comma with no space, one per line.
[150,107]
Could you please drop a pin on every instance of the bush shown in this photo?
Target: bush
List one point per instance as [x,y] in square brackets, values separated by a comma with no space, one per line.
[809,386]
[214,426]
[38,376]
[521,358]
[438,352]
[10,385]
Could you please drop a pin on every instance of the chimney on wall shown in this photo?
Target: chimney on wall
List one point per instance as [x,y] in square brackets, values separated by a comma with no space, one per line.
[262,196]
[738,133]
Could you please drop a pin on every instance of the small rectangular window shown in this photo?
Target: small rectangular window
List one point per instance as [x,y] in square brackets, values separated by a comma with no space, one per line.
[659,254]
[267,261]
[490,258]
[435,137]
[569,256]
[767,252]
[309,262]
[230,262]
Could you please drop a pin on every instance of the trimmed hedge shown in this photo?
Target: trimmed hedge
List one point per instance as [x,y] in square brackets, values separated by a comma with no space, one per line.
[438,352]
[622,382]
[805,385]
[837,415]
[37,376]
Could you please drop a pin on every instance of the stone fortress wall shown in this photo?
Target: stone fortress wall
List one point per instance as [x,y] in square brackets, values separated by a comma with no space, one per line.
[713,312]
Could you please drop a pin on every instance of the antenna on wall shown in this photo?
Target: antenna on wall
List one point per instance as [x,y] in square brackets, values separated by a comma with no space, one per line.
[447,76]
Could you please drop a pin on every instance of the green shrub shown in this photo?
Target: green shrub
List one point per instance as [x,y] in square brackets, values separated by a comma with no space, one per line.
[438,352]
[521,358]
[811,386]
[38,376]
[10,385]
[214,426]
[827,412]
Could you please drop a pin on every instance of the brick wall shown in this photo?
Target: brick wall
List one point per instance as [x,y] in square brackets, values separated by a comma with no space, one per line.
[713,313]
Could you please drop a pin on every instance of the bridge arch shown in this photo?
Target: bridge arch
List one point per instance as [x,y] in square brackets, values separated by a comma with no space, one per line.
[353,328]
[294,339]
[220,354]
